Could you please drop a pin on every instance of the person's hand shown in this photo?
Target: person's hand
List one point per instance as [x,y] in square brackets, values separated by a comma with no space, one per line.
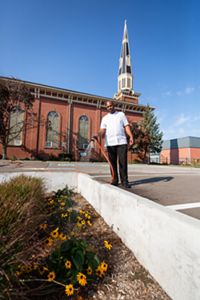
[130,141]
[94,138]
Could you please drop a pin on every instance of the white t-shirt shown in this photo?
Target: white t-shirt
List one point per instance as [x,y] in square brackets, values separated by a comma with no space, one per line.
[114,125]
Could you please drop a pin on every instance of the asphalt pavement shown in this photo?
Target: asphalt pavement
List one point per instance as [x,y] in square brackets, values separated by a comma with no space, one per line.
[176,187]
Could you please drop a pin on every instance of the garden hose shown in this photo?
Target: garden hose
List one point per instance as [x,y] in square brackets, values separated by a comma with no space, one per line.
[105,155]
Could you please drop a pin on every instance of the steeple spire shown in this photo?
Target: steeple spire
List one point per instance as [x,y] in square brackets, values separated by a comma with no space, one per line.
[125,77]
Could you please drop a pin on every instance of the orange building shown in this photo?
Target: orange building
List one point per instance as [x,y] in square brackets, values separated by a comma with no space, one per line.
[184,150]
[74,117]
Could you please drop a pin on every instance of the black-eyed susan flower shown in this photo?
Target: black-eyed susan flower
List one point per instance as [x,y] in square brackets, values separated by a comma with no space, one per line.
[43,226]
[69,289]
[89,270]
[51,276]
[49,241]
[104,266]
[79,224]
[50,201]
[64,215]
[81,279]
[83,222]
[99,271]
[54,234]
[107,245]
[62,237]
[89,223]
[68,264]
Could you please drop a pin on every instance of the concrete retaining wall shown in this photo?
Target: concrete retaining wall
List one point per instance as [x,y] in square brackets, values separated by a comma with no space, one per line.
[165,242]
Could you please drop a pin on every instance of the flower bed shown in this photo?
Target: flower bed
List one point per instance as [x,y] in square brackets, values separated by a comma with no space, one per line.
[58,247]
[62,258]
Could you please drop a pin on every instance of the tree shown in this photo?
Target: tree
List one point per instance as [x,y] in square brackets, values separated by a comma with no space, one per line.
[147,136]
[16,114]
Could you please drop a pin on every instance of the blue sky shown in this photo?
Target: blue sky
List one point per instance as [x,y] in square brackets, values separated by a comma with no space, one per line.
[76,45]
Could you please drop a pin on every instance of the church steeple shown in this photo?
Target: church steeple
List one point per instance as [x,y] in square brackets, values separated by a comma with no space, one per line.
[125,76]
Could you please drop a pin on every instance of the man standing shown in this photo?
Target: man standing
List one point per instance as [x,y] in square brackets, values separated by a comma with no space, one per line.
[114,127]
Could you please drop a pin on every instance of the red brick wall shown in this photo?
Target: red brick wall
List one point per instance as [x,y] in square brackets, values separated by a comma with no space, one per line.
[45,105]
[178,156]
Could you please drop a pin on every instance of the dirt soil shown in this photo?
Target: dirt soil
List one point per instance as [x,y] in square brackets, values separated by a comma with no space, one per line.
[126,278]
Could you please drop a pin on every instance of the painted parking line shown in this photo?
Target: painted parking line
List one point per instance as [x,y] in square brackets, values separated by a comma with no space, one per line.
[184,206]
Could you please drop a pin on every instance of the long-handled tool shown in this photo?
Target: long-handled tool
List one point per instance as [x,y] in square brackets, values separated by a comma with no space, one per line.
[105,155]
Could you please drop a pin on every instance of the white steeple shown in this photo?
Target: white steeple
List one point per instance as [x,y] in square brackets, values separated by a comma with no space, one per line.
[125,77]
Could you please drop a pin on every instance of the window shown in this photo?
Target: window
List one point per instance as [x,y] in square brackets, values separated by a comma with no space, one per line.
[83,132]
[16,127]
[53,128]
[128,83]
[123,83]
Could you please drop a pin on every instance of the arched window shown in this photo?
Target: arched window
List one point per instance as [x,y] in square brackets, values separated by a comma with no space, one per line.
[83,132]
[53,130]
[16,127]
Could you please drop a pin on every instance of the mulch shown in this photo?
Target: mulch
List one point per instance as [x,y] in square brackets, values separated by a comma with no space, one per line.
[126,278]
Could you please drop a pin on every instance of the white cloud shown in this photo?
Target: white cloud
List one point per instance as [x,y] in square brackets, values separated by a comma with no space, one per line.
[167,93]
[182,126]
[180,120]
[187,91]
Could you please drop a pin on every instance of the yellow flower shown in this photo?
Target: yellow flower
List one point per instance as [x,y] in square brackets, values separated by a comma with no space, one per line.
[51,276]
[43,226]
[62,203]
[79,224]
[63,215]
[81,211]
[104,266]
[68,264]
[81,279]
[54,234]
[89,270]
[89,223]
[51,201]
[107,245]
[99,271]
[62,237]
[69,289]
[49,241]
[83,222]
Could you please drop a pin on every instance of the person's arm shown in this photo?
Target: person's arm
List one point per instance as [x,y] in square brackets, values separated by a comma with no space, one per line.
[129,133]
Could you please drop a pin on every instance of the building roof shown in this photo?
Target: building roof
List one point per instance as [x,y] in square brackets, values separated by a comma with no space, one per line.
[77,97]
[185,142]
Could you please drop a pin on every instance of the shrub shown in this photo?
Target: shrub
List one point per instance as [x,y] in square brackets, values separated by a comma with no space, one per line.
[22,209]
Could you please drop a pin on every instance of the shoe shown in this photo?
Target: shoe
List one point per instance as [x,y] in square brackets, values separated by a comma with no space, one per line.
[114,183]
[126,185]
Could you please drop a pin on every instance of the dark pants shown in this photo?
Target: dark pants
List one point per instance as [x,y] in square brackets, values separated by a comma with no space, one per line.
[118,154]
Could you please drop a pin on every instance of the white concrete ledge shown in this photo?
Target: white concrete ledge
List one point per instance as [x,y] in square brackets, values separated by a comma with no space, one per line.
[165,242]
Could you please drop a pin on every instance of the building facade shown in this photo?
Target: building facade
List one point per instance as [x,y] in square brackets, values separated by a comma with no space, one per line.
[184,150]
[68,119]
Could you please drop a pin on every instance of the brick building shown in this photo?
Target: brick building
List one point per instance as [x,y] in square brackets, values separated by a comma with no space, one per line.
[184,150]
[74,116]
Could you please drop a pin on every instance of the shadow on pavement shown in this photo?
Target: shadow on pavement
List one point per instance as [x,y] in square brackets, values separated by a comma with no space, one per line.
[151,180]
